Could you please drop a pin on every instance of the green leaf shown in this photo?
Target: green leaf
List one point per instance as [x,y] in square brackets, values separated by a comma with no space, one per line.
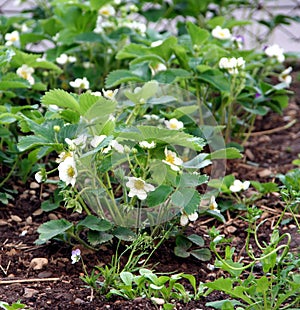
[219,304]
[192,200]
[117,77]
[191,180]
[86,101]
[202,254]
[159,195]
[94,223]
[198,240]
[181,252]
[125,234]
[48,205]
[171,75]
[216,79]
[98,237]
[28,142]
[171,137]
[132,50]
[199,36]
[198,162]
[6,55]
[126,277]
[60,98]
[165,50]
[228,153]
[52,229]
[262,284]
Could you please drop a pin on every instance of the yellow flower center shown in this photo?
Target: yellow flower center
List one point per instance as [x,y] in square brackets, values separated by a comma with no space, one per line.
[24,75]
[71,172]
[173,125]
[105,12]
[170,158]
[139,184]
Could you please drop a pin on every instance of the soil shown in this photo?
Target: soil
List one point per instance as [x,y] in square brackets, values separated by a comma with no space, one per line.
[270,150]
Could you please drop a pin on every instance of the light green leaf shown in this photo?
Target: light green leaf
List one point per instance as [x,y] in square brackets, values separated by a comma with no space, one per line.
[117,77]
[171,137]
[228,153]
[52,229]
[126,277]
[192,180]
[133,51]
[61,98]
[199,36]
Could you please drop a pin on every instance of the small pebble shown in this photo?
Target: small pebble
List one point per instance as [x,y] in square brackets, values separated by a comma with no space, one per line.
[34,185]
[78,301]
[52,216]
[16,218]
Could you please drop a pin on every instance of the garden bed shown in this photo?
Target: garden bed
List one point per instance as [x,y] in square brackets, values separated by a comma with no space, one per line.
[269,151]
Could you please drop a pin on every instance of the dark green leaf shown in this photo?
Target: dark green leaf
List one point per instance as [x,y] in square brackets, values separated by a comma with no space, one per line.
[202,254]
[159,195]
[52,229]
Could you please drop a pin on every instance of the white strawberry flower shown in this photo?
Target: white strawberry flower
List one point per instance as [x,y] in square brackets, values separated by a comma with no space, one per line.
[39,176]
[221,33]
[63,156]
[67,171]
[186,218]
[80,141]
[172,160]
[139,188]
[275,51]
[174,124]
[80,83]
[107,10]
[213,206]
[110,94]
[97,140]
[12,38]
[147,145]
[116,146]
[64,58]
[238,186]
[285,76]
[26,73]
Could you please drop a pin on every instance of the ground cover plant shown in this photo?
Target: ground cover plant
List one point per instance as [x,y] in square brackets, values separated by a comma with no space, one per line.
[133,143]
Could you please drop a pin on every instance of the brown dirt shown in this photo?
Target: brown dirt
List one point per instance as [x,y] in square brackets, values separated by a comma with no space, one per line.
[266,154]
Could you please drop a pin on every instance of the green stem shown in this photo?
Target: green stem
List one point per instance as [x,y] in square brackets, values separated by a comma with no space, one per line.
[9,174]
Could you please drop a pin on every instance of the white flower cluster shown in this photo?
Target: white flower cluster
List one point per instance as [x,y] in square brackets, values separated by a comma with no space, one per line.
[232,65]
[238,186]
[275,51]
[64,58]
